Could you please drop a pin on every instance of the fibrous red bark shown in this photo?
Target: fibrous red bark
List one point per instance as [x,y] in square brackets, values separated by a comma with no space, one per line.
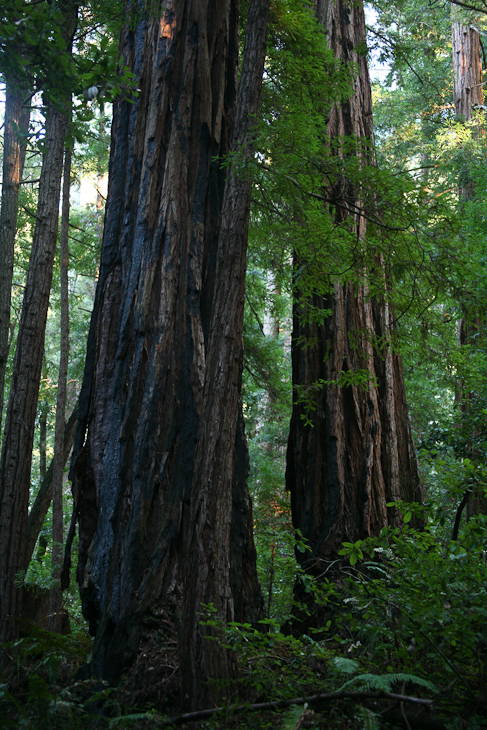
[16,123]
[354,453]
[467,69]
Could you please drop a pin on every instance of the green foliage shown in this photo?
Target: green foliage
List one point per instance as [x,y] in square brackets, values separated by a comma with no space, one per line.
[385,682]
[32,696]
[419,606]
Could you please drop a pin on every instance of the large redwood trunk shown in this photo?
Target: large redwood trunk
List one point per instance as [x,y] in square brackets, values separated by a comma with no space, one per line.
[357,453]
[143,398]
[210,552]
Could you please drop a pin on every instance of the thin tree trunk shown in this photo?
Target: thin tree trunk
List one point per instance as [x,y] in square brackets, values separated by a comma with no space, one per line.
[24,388]
[43,413]
[357,453]
[102,142]
[16,125]
[38,511]
[55,596]
[207,569]
[142,397]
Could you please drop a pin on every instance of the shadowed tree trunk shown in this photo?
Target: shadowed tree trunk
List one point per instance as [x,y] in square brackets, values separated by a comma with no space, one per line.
[357,453]
[56,596]
[16,460]
[38,511]
[16,125]
[143,395]
[209,553]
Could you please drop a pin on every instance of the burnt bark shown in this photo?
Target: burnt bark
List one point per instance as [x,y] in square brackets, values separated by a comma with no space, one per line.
[354,453]
[142,398]
[17,114]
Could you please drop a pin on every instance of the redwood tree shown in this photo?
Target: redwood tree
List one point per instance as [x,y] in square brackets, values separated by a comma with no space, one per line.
[16,459]
[467,96]
[216,564]
[353,452]
[144,396]
[24,387]
[17,113]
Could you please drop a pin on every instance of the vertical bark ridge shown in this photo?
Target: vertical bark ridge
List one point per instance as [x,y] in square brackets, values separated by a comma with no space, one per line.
[16,459]
[141,400]
[357,453]
[208,553]
[17,115]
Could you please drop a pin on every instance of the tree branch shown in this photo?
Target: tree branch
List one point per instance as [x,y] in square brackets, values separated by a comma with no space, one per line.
[458,515]
[255,313]
[278,704]
[470,7]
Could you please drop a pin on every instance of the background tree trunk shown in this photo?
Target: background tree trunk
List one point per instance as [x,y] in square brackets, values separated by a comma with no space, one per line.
[467,68]
[467,95]
[24,387]
[16,126]
[55,597]
[39,509]
[357,453]
[142,393]
[207,571]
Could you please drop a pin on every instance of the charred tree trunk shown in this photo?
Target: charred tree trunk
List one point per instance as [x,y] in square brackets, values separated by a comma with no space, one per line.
[55,597]
[16,125]
[357,453]
[142,398]
[209,556]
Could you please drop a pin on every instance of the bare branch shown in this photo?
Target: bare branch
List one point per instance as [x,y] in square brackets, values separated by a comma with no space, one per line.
[278,704]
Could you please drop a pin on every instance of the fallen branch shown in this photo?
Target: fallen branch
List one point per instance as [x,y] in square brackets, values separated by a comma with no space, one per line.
[278,704]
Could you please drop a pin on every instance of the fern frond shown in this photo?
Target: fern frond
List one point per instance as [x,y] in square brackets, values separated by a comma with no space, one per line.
[345,665]
[385,682]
